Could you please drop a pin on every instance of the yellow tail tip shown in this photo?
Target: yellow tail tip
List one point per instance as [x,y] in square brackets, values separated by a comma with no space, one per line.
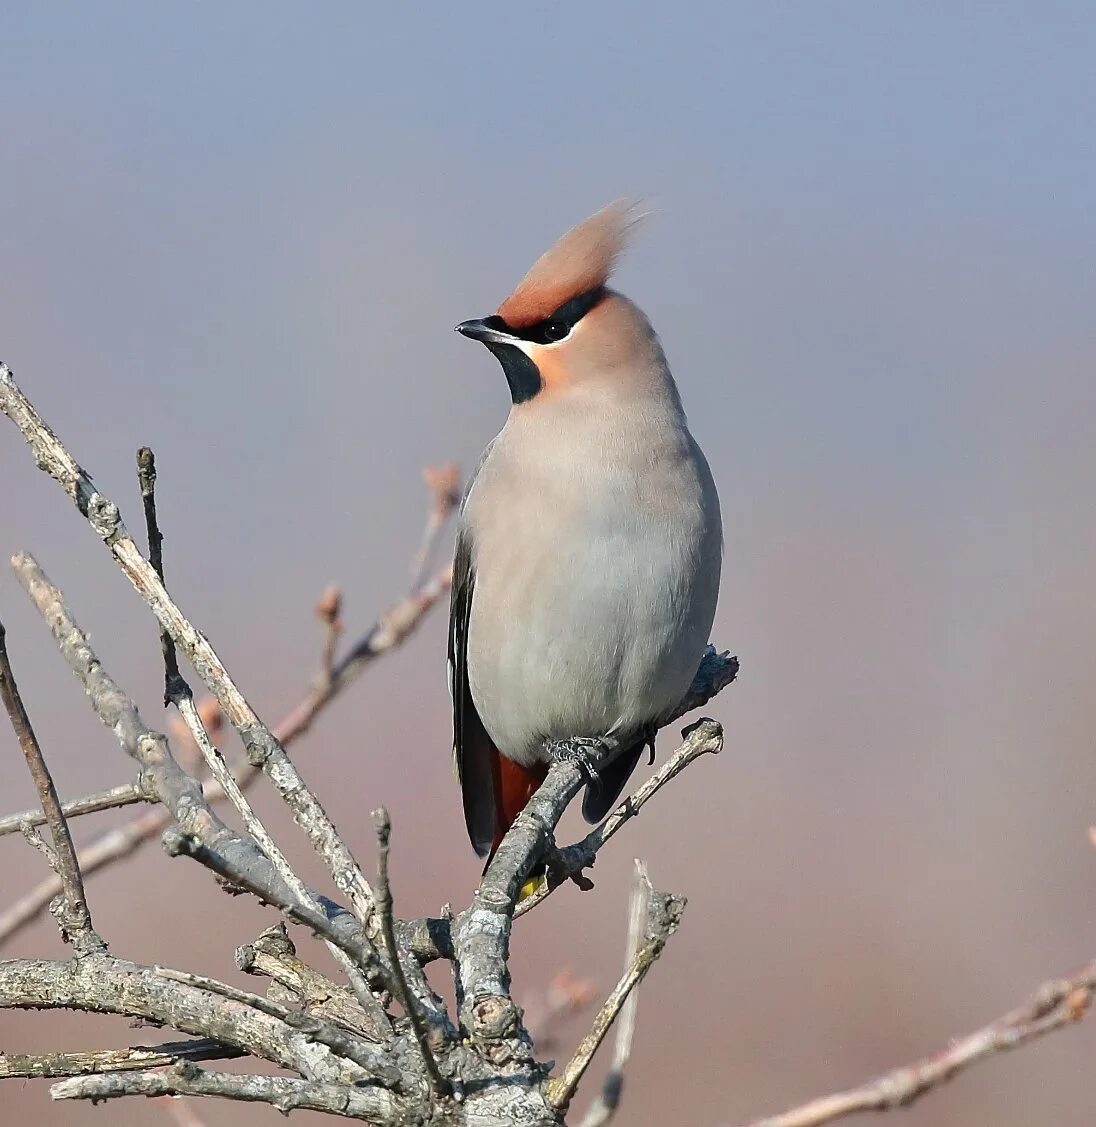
[529,887]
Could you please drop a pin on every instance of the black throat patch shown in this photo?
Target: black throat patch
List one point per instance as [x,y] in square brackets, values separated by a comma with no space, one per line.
[521,373]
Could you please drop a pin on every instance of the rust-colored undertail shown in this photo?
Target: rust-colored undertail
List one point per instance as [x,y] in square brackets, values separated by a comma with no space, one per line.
[514,786]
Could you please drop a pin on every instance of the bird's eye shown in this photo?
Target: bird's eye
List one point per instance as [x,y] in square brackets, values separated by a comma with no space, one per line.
[555,330]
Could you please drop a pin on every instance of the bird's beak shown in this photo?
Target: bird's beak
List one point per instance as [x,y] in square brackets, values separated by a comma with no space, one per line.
[480,330]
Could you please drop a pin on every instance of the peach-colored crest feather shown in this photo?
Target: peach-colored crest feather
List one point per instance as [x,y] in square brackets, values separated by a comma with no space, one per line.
[580,261]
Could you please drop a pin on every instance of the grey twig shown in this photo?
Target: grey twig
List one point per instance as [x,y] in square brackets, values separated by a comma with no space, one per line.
[293,981]
[482,937]
[389,631]
[105,850]
[663,916]
[374,1105]
[125,795]
[571,860]
[165,778]
[383,825]
[36,841]
[607,1101]
[75,919]
[444,485]
[481,940]
[379,1067]
[179,843]
[173,787]
[1056,1004]
[146,478]
[15,1065]
[261,744]
[222,774]
[102,984]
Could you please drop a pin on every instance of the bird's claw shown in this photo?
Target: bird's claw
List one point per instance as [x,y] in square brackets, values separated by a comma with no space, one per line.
[582,750]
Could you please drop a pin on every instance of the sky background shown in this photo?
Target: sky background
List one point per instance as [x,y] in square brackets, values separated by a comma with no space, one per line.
[242,233]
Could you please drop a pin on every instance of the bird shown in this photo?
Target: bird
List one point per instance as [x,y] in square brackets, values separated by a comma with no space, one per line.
[589,542]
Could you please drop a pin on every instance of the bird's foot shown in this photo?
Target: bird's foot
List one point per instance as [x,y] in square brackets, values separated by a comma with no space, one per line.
[586,751]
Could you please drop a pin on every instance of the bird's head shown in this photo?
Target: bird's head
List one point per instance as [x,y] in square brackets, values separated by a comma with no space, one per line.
[562,325]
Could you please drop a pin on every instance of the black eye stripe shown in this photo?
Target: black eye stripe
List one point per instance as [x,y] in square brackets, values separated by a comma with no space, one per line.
[558,325]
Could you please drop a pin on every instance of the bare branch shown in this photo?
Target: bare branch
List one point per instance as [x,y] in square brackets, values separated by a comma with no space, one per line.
[262,746]
[445,489]
[664,912]
[383,825]
[105,850]
[146,477]
[125,795]
[1054,1005]
[184,702]
[296,984]
[174,788]
[75,920]
[379,1067]
[328,610]
[179,843]
[608,1099]
[389,631]
[101,984]
[15,1065]
[373,1105]
[570,861]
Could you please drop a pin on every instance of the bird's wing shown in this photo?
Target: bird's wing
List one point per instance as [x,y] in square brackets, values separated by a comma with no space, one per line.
[603,792]
[474,756]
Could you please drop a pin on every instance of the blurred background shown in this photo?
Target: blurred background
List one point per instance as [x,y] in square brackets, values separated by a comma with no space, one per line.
[241,234]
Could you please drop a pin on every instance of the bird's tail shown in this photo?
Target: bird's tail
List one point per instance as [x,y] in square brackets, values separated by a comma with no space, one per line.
[514,786]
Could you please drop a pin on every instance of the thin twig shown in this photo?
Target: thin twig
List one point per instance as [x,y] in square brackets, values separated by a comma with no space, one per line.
[445,489]
[261,744]
[390,631]
[124,795]
[76,919]
[571,860]
[184,702]
[178,692]
[383,825]
[103,851]
[14,1065]
[175,789]
[146,478]
[328,611]
[179,843]
[379,1066]
[126,839]
[36,841]
[481,936]
[664,912]
[1056,1004]
[607,1101]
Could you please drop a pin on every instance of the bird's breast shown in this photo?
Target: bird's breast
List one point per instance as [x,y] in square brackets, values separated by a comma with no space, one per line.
[596,567]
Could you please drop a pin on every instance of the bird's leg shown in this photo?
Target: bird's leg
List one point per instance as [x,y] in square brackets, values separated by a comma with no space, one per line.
[586,751]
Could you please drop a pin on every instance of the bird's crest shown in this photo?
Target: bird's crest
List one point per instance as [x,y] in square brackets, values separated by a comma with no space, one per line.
[580,261]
